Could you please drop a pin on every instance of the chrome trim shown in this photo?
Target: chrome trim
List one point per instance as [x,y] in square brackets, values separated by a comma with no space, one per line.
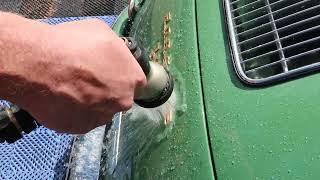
[132,8]
[236,57]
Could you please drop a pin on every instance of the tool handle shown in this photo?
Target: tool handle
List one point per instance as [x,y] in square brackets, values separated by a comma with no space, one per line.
[138,53]
[159,81]
[14,122]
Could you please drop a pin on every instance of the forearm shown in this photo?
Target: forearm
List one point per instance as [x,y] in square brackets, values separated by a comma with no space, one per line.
[20,42]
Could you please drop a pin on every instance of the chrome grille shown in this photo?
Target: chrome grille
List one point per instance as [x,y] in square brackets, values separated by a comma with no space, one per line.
[273,40]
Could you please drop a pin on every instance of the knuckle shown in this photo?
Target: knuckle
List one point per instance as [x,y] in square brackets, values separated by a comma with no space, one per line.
[126,104]
[139,80]
[142,79]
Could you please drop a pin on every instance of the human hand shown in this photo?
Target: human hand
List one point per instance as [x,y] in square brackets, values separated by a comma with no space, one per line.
[79,76]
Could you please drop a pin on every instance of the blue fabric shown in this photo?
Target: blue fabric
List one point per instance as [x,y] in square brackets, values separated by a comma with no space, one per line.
[42,154]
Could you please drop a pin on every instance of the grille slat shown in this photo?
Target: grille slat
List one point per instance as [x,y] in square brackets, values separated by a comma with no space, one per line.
[247,5]
[260,56]
[256,48]
[277,20]
[284,60]
[316,39]
[264,66]
[250,12]
[234,2]
[271,4]
[276,36]
[274,12]
[287,47]
[304,54]
[274,39]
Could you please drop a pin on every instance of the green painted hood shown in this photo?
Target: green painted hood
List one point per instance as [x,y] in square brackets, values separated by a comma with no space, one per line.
[223,127]
[255,133]
[185,153]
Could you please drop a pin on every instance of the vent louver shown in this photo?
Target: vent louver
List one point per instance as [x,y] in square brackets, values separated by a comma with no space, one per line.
[273,40]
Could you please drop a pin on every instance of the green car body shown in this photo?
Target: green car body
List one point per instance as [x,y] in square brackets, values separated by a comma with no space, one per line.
[224,129]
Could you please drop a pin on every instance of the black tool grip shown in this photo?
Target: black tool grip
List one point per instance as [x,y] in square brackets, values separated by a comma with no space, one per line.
[12,131]
[26,121]
[138,53]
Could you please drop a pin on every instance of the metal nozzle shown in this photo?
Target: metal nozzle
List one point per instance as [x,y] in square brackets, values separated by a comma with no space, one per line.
[160,83]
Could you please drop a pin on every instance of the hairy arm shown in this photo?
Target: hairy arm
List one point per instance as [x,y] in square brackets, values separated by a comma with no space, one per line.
[71,77]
